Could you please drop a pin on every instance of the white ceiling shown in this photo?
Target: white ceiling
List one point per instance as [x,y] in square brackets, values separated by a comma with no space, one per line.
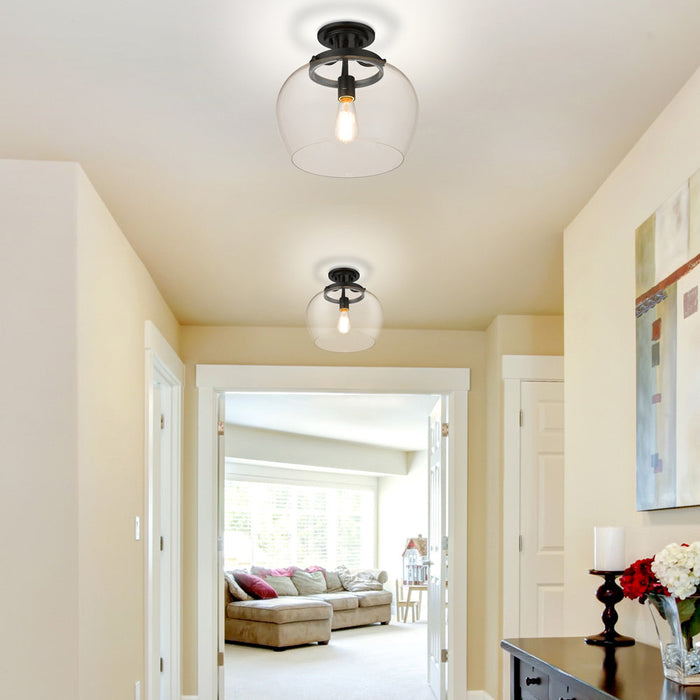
[386,420]
[525,107]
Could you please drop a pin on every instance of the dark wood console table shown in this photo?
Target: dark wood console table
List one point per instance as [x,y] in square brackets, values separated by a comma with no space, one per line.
[569,669]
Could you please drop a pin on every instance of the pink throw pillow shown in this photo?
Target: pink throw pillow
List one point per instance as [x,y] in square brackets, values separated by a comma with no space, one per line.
[255,586]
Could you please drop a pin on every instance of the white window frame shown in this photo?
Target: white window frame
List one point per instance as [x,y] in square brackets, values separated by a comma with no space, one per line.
[317,479]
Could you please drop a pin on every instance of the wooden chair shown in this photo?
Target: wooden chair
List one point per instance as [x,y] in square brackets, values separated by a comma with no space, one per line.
[403,604]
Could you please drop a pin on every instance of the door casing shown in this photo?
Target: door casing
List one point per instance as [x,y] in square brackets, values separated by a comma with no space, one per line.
[214,379]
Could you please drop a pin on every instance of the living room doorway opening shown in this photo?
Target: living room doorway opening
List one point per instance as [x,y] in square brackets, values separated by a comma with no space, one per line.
[214,381]
[336,481]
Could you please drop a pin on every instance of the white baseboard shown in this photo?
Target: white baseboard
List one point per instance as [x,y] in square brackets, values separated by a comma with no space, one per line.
[189,697]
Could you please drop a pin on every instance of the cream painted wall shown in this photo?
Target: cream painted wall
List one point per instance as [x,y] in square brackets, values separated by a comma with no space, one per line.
[75,299]
[38,424]
[526,335]
[507,335]
[291,346]
[599,259]
[116,295]
[403,513]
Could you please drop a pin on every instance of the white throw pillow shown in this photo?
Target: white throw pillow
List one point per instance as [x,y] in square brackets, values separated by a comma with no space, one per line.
[234,589]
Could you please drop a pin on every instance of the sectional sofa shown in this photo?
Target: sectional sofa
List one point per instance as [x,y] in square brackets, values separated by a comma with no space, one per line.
[305,606]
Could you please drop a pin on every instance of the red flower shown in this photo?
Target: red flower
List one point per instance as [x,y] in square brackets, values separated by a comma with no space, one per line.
[638,581]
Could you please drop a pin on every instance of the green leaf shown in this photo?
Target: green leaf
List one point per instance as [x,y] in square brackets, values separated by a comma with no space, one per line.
[686,609]
[694,624]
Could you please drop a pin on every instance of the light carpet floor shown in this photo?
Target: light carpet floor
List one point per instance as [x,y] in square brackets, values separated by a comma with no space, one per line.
[379,661]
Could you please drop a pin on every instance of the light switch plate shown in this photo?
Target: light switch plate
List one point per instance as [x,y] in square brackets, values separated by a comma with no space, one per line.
[137,686]
[137,528]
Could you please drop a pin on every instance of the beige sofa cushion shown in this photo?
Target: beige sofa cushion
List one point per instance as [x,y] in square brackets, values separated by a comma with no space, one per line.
[368,599]
[280,610]
[308,583]
[333,582]
[339,601]
[282,584]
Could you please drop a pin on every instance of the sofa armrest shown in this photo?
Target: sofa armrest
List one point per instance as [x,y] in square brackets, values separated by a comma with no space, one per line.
[228,598]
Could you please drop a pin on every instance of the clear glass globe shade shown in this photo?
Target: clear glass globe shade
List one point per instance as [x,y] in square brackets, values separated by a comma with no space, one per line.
[386,115]
[365,319]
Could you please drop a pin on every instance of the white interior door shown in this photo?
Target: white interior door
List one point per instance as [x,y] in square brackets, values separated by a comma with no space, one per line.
[542,509]
[437,540]
[221,457]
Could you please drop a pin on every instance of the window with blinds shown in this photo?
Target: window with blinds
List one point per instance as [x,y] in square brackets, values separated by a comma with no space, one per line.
[281,524]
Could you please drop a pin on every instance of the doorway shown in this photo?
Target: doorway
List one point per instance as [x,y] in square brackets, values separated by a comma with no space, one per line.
[164,374]
[533,401]
[347,477]
[212,380]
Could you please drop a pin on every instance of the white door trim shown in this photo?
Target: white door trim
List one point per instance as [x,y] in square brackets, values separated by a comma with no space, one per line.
[211,379]
[515,370]
[164,366]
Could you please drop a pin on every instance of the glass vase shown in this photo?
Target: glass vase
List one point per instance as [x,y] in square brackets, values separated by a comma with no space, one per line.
[678,628]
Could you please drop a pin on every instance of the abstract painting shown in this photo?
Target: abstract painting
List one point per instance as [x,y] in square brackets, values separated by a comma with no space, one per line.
[668,352]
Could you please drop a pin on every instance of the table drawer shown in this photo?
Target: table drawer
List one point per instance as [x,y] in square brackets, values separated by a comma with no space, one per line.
[561,690]
[534,683]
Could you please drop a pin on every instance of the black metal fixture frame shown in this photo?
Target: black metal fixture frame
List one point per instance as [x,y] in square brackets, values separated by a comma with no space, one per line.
[346,42]
[344,279]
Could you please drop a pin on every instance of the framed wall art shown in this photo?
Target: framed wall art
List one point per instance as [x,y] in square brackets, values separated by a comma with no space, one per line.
[668,352]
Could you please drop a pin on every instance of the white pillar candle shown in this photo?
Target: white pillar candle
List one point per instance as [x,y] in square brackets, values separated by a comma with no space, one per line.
[609,551]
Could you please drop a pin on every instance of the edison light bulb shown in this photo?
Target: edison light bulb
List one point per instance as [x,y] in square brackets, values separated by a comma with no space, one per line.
[346,121]
[344,322]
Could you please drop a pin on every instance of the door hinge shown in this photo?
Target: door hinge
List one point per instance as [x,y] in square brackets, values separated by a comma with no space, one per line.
[520,543]
[162,421]
[221,658]
[521,418]
[220,544]
[445,429]
[161,664]
[161,543]
[443,656]
[220,427]
[444,543]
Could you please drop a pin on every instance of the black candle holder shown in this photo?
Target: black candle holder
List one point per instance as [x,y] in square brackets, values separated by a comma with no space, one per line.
[609,593]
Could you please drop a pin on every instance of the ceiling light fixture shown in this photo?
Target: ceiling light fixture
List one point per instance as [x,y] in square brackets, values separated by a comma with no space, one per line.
[344,317]
[366,127]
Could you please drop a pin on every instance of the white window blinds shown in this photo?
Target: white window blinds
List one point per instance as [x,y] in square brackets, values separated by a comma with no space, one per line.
[281,524]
